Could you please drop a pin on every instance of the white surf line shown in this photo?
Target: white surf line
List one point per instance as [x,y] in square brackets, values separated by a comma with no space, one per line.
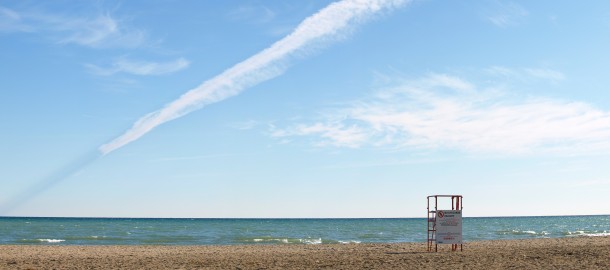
[325,25]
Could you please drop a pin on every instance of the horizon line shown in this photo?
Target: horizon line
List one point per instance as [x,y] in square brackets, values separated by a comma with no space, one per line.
[296,218]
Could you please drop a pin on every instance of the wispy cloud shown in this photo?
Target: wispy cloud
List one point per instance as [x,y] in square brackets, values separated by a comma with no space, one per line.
[97,31]
[261,15]
[140,67]
[527,74]
[12,21]
[323,26]
[252,13]
[422,114]
[246,125]
[335,134]
[101,31]
[506,14]
[547,74]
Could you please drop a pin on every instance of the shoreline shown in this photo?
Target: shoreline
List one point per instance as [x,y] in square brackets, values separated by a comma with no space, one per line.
[286,218]
[545,253]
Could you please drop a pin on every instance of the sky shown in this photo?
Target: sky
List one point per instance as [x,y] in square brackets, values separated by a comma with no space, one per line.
[303,109]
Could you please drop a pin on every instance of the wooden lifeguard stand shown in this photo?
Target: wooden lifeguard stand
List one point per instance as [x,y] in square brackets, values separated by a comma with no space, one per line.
[456,204]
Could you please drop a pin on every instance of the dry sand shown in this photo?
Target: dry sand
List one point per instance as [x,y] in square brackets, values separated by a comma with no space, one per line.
[563,253]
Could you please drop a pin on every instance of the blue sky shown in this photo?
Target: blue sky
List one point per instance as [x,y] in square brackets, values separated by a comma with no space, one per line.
[303,108]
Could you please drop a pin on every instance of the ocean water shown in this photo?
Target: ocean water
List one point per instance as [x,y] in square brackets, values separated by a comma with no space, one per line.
[136,231]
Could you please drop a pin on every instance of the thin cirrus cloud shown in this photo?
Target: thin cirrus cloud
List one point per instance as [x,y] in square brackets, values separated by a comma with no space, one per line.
[548,74]
[252,13]
[246,125]
[124,65]
[12,21]
[507,14]
[443,112]
[527,74]
[99,31]
[333,133]
[326,25]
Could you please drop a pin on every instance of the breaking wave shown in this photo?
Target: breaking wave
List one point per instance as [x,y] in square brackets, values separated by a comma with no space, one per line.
[52,240]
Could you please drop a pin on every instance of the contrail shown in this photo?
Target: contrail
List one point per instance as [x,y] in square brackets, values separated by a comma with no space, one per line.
[49,181]
[327,24]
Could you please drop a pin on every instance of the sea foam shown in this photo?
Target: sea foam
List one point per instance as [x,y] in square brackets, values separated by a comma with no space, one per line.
[311,241]
[588,234]
[350,242]
[52,240]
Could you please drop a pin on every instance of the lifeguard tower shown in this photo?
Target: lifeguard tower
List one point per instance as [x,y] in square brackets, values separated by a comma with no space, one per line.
[445,225]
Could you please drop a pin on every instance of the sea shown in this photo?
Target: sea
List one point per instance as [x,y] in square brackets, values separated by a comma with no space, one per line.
[187,231]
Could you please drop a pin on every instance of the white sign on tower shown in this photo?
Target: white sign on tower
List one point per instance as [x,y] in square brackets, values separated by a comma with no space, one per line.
[449,227]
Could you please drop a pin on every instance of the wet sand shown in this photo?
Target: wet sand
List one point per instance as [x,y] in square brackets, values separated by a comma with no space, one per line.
[562,253]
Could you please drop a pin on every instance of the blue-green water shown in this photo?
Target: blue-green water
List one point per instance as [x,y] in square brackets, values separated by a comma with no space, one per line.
[127,231]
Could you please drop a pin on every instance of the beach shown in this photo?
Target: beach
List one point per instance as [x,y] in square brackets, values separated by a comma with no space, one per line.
[550,253]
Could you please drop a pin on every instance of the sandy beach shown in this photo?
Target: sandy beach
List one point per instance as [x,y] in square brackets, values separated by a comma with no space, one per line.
[562,253]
